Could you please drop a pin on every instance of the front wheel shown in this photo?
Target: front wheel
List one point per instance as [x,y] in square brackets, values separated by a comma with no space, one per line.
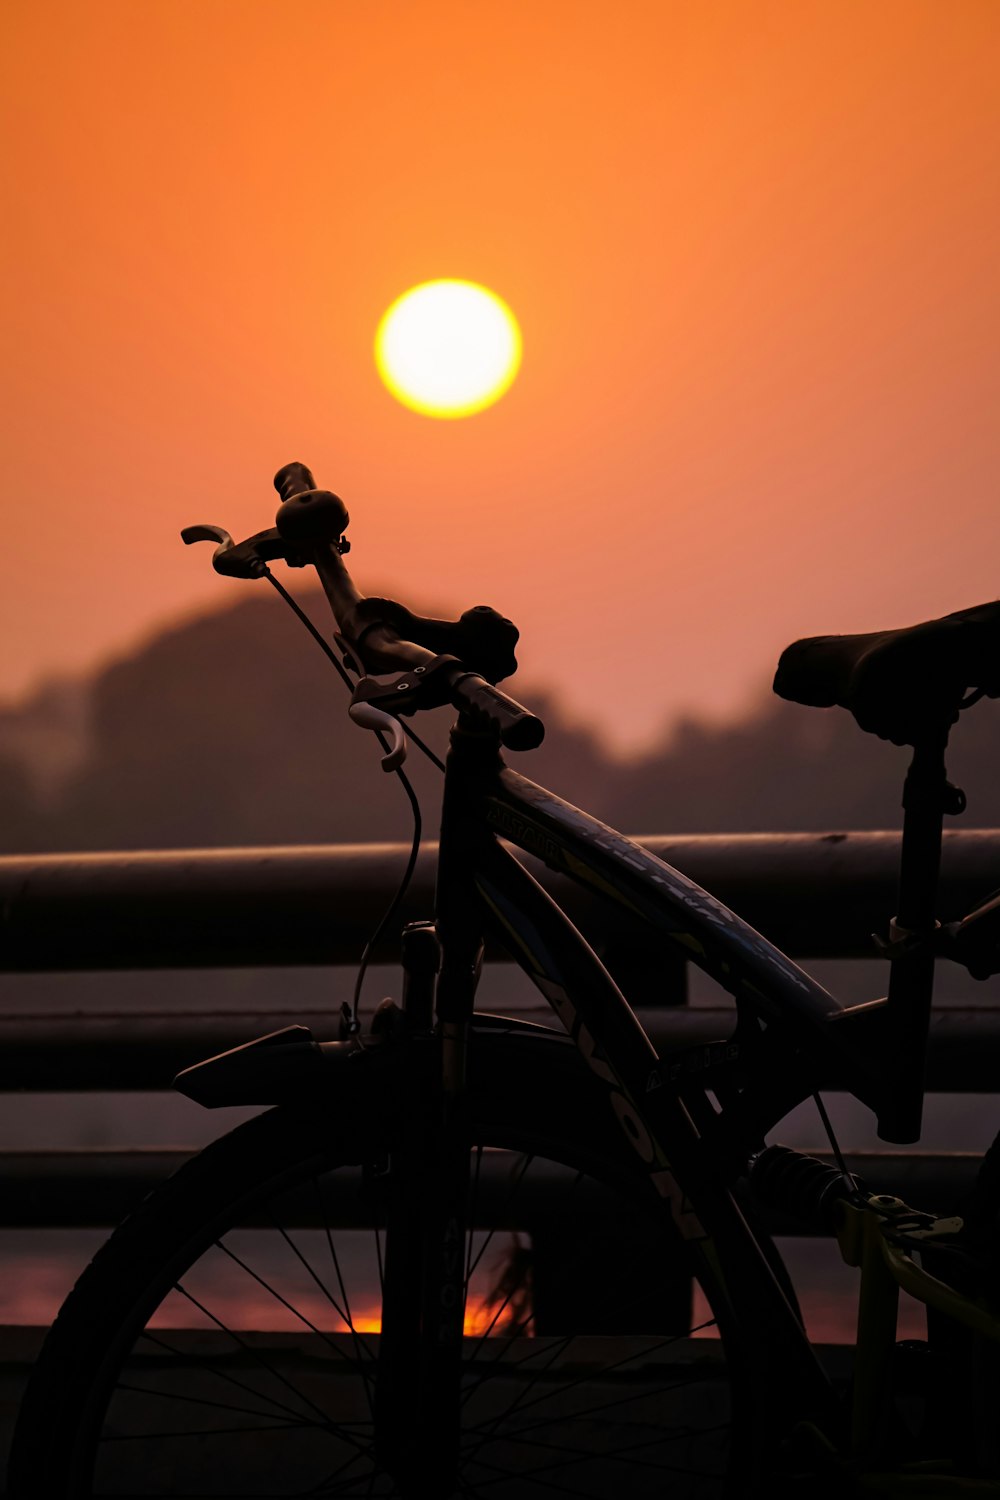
[225,1340]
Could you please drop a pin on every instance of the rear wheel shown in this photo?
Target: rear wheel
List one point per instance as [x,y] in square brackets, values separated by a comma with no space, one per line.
[225,1340]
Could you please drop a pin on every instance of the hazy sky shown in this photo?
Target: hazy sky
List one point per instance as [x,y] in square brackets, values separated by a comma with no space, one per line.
[753,248]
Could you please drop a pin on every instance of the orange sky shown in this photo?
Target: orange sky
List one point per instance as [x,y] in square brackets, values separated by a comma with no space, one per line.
[753,248]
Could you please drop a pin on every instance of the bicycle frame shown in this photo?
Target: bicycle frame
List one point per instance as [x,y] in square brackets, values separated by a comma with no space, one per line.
[691,1151]
[693,1119]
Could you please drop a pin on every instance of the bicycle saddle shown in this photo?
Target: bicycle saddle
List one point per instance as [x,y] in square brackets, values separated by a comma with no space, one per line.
[903,685]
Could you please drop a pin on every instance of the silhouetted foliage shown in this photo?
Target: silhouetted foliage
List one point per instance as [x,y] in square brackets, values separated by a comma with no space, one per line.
[22,820]
[232,729]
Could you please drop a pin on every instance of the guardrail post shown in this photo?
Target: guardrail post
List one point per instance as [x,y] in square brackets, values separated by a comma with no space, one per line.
[617,1274]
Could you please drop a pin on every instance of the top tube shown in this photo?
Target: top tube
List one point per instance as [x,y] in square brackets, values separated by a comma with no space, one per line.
[706,932]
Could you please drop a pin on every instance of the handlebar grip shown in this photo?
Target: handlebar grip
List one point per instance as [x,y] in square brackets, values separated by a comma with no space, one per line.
[293,479]
[518,728]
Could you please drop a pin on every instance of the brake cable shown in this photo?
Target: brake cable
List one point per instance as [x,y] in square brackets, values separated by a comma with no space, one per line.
[404,884]
[329,652]
[842,1167]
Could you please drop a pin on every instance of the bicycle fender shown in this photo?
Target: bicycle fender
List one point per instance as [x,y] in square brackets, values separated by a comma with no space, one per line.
[274,1069]
[291,1067]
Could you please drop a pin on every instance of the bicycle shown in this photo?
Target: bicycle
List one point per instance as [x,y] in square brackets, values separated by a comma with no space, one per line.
[314,1304]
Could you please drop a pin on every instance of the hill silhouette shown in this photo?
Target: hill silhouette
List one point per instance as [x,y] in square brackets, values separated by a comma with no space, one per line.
[230,729]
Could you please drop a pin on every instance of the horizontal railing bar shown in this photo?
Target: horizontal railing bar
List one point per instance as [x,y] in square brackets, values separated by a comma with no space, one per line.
[88,1188]
[69,1053]
[818,895]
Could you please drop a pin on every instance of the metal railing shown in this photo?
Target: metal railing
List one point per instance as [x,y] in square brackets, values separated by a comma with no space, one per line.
[815,895]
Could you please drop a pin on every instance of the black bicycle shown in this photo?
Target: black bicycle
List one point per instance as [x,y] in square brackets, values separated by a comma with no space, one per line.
[346,1296]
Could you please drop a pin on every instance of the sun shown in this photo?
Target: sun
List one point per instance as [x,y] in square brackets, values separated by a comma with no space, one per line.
[448,348]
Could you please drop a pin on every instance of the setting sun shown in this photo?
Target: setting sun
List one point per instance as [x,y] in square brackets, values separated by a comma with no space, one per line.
[448,348]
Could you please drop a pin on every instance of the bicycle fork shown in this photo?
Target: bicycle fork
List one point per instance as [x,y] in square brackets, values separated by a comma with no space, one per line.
[418,1385]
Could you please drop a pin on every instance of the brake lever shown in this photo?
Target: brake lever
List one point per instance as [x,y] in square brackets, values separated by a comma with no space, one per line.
[370,717]
[247,559]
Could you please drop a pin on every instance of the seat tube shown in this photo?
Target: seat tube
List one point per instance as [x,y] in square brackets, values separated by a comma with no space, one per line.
[911,979]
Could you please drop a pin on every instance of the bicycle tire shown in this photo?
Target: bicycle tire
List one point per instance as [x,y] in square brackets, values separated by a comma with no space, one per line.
[572,1411]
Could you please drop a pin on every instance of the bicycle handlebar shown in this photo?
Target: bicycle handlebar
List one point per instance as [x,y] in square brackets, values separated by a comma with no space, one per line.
[377,631]
[517,727]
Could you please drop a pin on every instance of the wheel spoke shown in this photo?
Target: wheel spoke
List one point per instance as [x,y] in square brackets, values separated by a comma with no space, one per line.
[188,1433]
[561,1346]
[201,1364]
[511,1195]
[523,1404]
[358,1340]
[335,1258]
[623,1454]
[471,1220]
[324,1486]
[254,1355]
[504,1476]
[597,1409]
[674,1435]
[377,1227]
[246,1411]
[307,1322]
[521,1327]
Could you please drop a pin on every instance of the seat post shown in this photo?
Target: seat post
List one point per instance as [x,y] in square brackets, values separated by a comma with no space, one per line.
[911,978]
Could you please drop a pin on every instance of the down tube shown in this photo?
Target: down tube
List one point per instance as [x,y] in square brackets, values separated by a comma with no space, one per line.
[656,1124]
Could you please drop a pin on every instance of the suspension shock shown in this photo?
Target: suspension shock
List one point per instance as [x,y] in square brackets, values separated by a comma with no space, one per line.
[800,1186]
